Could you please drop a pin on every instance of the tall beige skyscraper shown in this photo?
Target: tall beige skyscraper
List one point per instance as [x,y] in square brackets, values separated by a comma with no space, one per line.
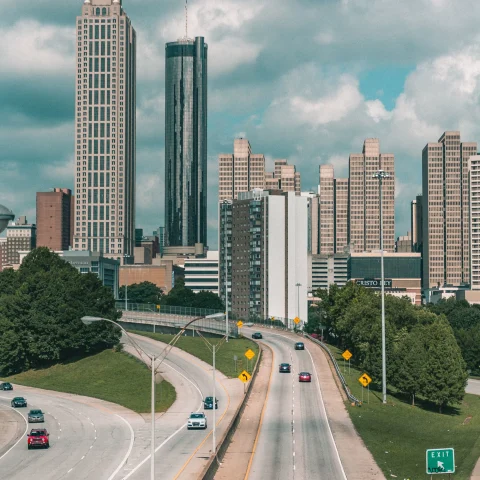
[445,211]
[364,199]
[105,130]
[244,171]
[341,214]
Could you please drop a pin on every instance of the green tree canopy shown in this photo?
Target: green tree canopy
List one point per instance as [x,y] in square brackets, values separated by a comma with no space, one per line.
[145,292]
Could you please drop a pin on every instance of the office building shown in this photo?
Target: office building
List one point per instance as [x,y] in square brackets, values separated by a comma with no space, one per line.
[106,269]
[105,135]
[269,255]
[445,212]
[416,223]
[364,199]
[402,273]
[201,274]
[186,142]
[54,219]
[160,274]
[225,250]
[330,269]
[3,252]
[404,243]
[313,218]
[474,202]
[341,215]
[244,171]
[21,236]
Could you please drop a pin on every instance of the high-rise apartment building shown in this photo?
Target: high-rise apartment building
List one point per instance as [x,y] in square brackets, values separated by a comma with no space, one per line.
[474,184]
[244,171]
[364,199]
[105,135]
[21,237]
[269,255]
[186,142]
[445,211]
[54,219]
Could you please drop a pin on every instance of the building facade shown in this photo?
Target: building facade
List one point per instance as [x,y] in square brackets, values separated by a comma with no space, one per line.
[445,211]
[55,211]
[269,255]
[21,237]
[186,142]
[364,199]
[474,202]
[327,210]
[201,274]
[105,130]
[329,269]
[160,275]
[404,243]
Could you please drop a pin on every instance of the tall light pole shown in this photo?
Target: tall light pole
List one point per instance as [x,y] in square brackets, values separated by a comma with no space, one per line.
[225,246]
[87,320]
[380,175]
[298,285]
[125,256]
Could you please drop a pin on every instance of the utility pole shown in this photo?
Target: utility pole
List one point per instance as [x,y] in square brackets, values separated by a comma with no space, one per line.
[298,285]
[380,175]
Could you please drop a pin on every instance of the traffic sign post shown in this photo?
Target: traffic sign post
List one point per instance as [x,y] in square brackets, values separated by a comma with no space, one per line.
[239,324]
[244,377]
[347,355]
[365,380]
[296,320]
[440,461]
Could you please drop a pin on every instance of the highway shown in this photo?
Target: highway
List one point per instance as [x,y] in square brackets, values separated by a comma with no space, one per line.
[86,442]
[182,453]
[295,440]
[473,386]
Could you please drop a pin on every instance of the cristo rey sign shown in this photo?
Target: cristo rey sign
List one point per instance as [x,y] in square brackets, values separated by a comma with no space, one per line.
[374,283]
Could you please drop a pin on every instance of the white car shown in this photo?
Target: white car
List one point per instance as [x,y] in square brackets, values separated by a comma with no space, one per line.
[197,420]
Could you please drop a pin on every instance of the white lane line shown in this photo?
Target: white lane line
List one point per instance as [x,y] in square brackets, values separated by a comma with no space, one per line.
[129,451]
[24,433]
[326,416]
[70,470]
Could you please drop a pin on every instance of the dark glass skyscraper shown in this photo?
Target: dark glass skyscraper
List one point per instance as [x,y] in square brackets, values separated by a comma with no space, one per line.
[186,142]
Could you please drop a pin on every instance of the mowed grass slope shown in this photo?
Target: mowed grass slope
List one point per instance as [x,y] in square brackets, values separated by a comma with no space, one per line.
[224,357]
[109,375]
[398,434]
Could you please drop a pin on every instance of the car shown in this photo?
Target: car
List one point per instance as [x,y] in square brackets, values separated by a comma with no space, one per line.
[304,377]
[6,386]
[299,346]
[197,420]
[35,416]
[18,402]
[38,438]
[257,336]
[284,368]
[208,403]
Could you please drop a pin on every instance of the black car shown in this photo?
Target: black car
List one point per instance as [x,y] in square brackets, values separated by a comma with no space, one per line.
[18,402]
[257,336]
[284,368]
[299,346]
[6,386]
[208,403]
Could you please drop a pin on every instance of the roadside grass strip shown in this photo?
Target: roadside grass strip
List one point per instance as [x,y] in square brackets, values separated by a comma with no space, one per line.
[398,434]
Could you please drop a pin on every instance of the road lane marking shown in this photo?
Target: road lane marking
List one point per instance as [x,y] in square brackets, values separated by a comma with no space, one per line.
[250,462]
[24,433]
[129,451]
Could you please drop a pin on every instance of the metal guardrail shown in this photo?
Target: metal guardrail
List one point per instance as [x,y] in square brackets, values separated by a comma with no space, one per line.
[350,396]
[212,325]
[151,307]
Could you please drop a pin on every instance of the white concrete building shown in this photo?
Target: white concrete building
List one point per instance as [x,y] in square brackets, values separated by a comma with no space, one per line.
[201,274]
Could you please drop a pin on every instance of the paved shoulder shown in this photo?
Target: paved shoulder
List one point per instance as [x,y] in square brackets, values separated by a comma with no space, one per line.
[473,386]
[12,429]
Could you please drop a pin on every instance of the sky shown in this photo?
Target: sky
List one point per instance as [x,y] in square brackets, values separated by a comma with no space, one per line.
[306,80]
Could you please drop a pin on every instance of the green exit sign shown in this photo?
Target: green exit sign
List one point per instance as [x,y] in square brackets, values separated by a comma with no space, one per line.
[440,460]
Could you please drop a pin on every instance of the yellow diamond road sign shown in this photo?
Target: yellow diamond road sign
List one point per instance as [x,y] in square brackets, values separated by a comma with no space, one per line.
[364,379]
[347,355]
[249,354]
[296,320]
[244,376]
[239,324]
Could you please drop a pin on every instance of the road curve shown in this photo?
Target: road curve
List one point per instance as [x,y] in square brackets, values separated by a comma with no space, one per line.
[473,386]
[182,453]
[295,440]
[86,442]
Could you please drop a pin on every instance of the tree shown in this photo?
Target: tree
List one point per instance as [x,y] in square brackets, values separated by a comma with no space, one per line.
[181,296]
[40,317]
[409,364]
[445,372]
[208,300]
[144,292]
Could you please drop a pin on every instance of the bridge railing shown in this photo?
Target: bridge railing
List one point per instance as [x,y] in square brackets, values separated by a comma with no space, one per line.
[168,309]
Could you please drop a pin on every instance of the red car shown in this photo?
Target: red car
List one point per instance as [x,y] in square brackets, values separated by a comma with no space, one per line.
[38,437]
[304,377]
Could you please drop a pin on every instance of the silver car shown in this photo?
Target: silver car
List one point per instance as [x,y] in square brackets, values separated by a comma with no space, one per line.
[35,416]
[197,420]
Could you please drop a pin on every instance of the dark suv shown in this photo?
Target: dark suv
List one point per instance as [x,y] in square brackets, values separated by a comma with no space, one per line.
[18,402]
[284,368]
[6,386]
[299,346]
[257,336]
[208,403]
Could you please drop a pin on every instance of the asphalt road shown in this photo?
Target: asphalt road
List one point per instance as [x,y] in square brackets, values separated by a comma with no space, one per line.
[295,441]
[473,386]
[86,442]
[182,453]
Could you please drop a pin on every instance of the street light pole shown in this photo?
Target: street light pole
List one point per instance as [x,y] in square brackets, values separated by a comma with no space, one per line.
[152,441]
[214,449]
[380,175]
[298,285]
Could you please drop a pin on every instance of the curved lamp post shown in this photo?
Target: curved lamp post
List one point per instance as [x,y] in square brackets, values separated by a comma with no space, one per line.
[89,320]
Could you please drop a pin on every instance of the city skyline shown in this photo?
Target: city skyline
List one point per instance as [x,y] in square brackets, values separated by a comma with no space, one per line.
[395,103]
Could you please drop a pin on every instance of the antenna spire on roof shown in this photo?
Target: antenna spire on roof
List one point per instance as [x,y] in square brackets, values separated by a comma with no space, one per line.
[186,18]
